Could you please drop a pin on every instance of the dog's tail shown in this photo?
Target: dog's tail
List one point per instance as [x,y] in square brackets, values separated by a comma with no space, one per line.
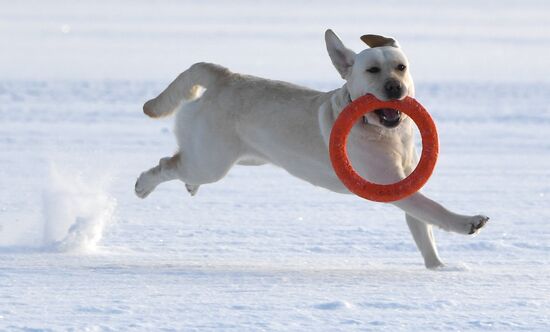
[187,86]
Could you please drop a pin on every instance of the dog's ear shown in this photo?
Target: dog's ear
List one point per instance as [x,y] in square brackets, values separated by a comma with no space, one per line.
[378,41]
[341,56]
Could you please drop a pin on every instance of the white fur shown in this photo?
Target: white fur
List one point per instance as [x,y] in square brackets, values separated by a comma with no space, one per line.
[241,119]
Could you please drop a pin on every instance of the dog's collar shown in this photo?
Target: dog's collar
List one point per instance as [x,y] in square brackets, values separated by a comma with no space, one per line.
[365,120]
[349,98]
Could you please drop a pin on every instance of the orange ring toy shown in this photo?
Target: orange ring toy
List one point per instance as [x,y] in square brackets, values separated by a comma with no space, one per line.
[383,192]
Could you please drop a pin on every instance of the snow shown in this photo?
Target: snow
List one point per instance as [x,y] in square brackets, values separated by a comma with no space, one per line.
[261,250]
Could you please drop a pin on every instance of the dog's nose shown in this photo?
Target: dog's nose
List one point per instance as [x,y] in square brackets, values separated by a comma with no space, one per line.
[393,89]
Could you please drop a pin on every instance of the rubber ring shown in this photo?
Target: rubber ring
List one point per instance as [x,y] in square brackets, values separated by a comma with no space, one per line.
[383,192]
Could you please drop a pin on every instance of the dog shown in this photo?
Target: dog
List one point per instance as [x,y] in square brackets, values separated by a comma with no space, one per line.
[225,118]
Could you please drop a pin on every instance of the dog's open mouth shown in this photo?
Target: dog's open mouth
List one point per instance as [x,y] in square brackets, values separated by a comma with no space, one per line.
[389,117]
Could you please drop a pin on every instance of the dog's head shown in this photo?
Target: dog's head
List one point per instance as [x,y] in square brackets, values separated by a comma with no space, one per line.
[381,70]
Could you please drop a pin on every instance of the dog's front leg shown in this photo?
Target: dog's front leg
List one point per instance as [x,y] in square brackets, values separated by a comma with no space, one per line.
[422,208]
[425,242]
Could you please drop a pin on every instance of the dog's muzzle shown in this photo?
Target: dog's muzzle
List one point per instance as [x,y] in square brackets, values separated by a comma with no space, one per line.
[389,117]
[394,89]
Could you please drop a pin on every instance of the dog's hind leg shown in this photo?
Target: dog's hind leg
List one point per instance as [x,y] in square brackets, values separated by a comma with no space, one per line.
[193,173]
[425,242]
[166,170]
[208,166]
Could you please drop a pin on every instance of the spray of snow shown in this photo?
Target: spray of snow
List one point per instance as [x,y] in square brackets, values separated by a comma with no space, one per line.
[75,212]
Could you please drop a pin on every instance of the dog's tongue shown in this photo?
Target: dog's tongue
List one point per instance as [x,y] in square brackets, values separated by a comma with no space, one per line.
[389,114]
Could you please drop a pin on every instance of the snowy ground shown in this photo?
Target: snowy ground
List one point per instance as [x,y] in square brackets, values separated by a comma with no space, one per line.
[261,250]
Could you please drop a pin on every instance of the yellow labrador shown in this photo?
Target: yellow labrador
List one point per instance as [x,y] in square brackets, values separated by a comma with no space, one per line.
[224,118]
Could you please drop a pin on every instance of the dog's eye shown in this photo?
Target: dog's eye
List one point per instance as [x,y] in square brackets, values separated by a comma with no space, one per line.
[401,67]
[373,70]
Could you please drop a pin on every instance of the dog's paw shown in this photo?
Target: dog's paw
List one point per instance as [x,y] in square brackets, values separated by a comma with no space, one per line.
[192,189]
[476,223]
[455,267]
[142,187]
[434,264]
